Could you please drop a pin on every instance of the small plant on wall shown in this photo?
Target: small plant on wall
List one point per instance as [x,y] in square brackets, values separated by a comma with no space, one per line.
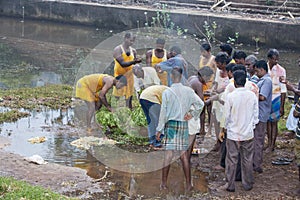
[163,20]
[256,39]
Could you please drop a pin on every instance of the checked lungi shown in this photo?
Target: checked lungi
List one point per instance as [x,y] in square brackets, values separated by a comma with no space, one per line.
[177,135]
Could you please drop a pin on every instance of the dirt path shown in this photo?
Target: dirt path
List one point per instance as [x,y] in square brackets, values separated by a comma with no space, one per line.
[69,181]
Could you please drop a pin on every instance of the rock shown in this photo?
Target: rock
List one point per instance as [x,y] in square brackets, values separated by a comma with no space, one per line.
[36,159]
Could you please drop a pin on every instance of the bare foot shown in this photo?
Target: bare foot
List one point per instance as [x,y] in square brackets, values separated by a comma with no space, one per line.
[269,149]
[163,187]
[189,190]
[219,167]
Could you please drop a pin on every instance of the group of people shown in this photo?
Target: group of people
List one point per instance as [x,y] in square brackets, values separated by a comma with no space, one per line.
[244,99]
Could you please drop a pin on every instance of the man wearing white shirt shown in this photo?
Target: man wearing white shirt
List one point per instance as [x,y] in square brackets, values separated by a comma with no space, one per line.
[241,114]
[144,77]
[173,123]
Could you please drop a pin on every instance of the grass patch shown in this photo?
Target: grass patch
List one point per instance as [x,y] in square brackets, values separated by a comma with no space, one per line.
[52,96]
[14,189]
[12,116]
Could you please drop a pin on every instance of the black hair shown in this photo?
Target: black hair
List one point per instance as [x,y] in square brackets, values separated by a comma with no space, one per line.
[206,46]
[226,48]
[177,72]
[262,65]
[239,67]
[205,71]
[122,79]
[176,49]
[128,35]
[239,77]
[222,57]
[239,55]
[272,52]
[229,67]
[160,41]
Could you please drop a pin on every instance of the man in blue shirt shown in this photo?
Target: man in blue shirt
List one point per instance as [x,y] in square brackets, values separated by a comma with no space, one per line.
[176,60]
[265,103]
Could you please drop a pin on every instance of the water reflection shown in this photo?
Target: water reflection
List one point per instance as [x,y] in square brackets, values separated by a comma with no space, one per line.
[144,184]
[57,126]
[53,124]
[52,32]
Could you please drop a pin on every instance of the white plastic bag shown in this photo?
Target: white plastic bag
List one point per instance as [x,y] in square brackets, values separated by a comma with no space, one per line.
[291,122]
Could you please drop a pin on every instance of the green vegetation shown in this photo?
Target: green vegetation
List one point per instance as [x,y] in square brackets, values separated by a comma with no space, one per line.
[12,115]
[52,96]
[10,65]
[256,39]
[282,122]
[13,189]
[124,124]
[163,20]
[233,40]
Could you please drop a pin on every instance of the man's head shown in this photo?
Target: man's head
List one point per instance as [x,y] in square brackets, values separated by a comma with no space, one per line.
[204,74]
[273,57]
[205,49]
[239,57]
[238,67]
[121,81]
[175,50]
[129,39]
[229,69]
[226,48]
[249,64]
[138,71]
[160,44]
[239,78]
[176,74]
[261,68]
[221,60]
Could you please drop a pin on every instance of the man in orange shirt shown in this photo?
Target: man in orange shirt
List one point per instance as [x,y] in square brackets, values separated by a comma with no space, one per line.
[93,88]
[125,57]
[157,55]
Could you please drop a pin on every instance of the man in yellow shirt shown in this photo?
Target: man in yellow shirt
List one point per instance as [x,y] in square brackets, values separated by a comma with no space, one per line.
[125,57]
[157,55]
[88,87]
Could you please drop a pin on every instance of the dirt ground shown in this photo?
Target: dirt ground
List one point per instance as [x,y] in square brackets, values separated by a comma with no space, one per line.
[276,182]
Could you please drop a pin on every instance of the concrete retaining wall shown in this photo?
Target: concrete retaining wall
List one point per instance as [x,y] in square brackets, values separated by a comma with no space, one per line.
[273,34]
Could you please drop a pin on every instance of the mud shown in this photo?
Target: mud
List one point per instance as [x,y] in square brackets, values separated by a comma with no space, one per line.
[276,182]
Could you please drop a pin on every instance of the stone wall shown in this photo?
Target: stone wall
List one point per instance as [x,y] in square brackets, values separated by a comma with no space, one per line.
[274,34]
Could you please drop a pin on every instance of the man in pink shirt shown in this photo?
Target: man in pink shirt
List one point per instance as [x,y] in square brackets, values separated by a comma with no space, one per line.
[277,74]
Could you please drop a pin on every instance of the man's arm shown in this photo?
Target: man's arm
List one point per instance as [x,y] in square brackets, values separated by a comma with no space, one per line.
[290,87]
[119,58]
[108,84]
[197,87]
[149,57]
[282,101]
[166,65]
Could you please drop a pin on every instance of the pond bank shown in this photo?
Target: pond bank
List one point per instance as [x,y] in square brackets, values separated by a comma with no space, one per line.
[102,16]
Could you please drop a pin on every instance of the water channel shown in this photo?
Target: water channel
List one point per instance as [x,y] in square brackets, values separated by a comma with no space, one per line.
[54,124]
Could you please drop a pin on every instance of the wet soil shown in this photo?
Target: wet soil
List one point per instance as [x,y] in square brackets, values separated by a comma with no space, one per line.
[276,182]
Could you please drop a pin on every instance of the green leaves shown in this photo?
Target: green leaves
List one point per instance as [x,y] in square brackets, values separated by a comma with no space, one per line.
[123,124]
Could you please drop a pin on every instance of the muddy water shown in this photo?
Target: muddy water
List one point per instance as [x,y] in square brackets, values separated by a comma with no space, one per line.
[58,128]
